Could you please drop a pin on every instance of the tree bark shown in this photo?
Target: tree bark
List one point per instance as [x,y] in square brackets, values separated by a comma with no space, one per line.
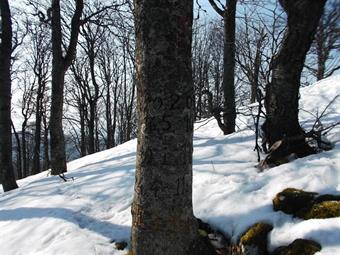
[60,64]
[282,95]
[162,214]
[46,164]
[229,116]
[7,178]
[37,135]
[229,112]
[25,162]
[19,157]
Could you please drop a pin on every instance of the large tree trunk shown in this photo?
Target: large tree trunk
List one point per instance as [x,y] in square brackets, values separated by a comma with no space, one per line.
[282,95]
[163,221]
[229,115]
[7,178]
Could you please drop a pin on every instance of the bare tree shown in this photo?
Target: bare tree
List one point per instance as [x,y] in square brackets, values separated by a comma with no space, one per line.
[201,64]
[110,76]
[27,107]
[7,178]
[326,44]
[282,95]
[228,12]
[41,67]
[92,35]
[60,64]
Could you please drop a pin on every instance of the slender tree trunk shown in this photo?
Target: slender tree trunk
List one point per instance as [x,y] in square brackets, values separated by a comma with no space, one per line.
[46,145]
[229,115]
[282,95]
[108,114]
[58,155]
[7,178]
[256,73]
[24,149]
[93,103]
[19,157]
[37,135]
[91,126]
[163,221]
[82,130]
[60,64]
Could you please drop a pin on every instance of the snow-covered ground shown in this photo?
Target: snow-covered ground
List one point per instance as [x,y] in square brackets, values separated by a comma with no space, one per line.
[85,216]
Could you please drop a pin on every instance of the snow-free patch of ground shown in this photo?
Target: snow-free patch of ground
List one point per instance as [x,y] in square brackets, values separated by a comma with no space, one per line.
[85,216]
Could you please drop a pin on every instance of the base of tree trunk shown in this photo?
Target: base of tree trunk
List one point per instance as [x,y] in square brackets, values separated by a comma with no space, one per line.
[286,150]
[202,246]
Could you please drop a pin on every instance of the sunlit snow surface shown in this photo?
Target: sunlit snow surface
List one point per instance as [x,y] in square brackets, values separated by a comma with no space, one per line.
[48,216]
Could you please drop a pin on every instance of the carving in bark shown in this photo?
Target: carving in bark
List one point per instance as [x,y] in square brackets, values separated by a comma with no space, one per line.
[163,221]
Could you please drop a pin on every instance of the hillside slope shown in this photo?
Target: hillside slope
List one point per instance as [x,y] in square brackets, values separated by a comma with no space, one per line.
[85,216]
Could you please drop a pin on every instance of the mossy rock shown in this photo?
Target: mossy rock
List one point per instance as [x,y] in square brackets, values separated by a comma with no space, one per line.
[307,205]
[324,210]
[293,201]
[254,241]
[298,247]
[327,197]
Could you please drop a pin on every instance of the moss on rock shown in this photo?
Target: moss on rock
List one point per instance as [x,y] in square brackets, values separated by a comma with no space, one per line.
[299,247]
[307,205]
[255,239]
[323,210]
[293,201]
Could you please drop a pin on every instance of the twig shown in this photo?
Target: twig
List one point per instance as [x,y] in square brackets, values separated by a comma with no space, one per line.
[64,178]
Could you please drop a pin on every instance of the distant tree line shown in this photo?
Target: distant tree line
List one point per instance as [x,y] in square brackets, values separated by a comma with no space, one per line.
[73,73]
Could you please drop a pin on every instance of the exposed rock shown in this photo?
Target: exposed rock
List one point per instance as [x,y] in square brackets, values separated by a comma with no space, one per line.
[298,247]
[254,241]
[327,197]
[323,210]
[307,205]
[294,201]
